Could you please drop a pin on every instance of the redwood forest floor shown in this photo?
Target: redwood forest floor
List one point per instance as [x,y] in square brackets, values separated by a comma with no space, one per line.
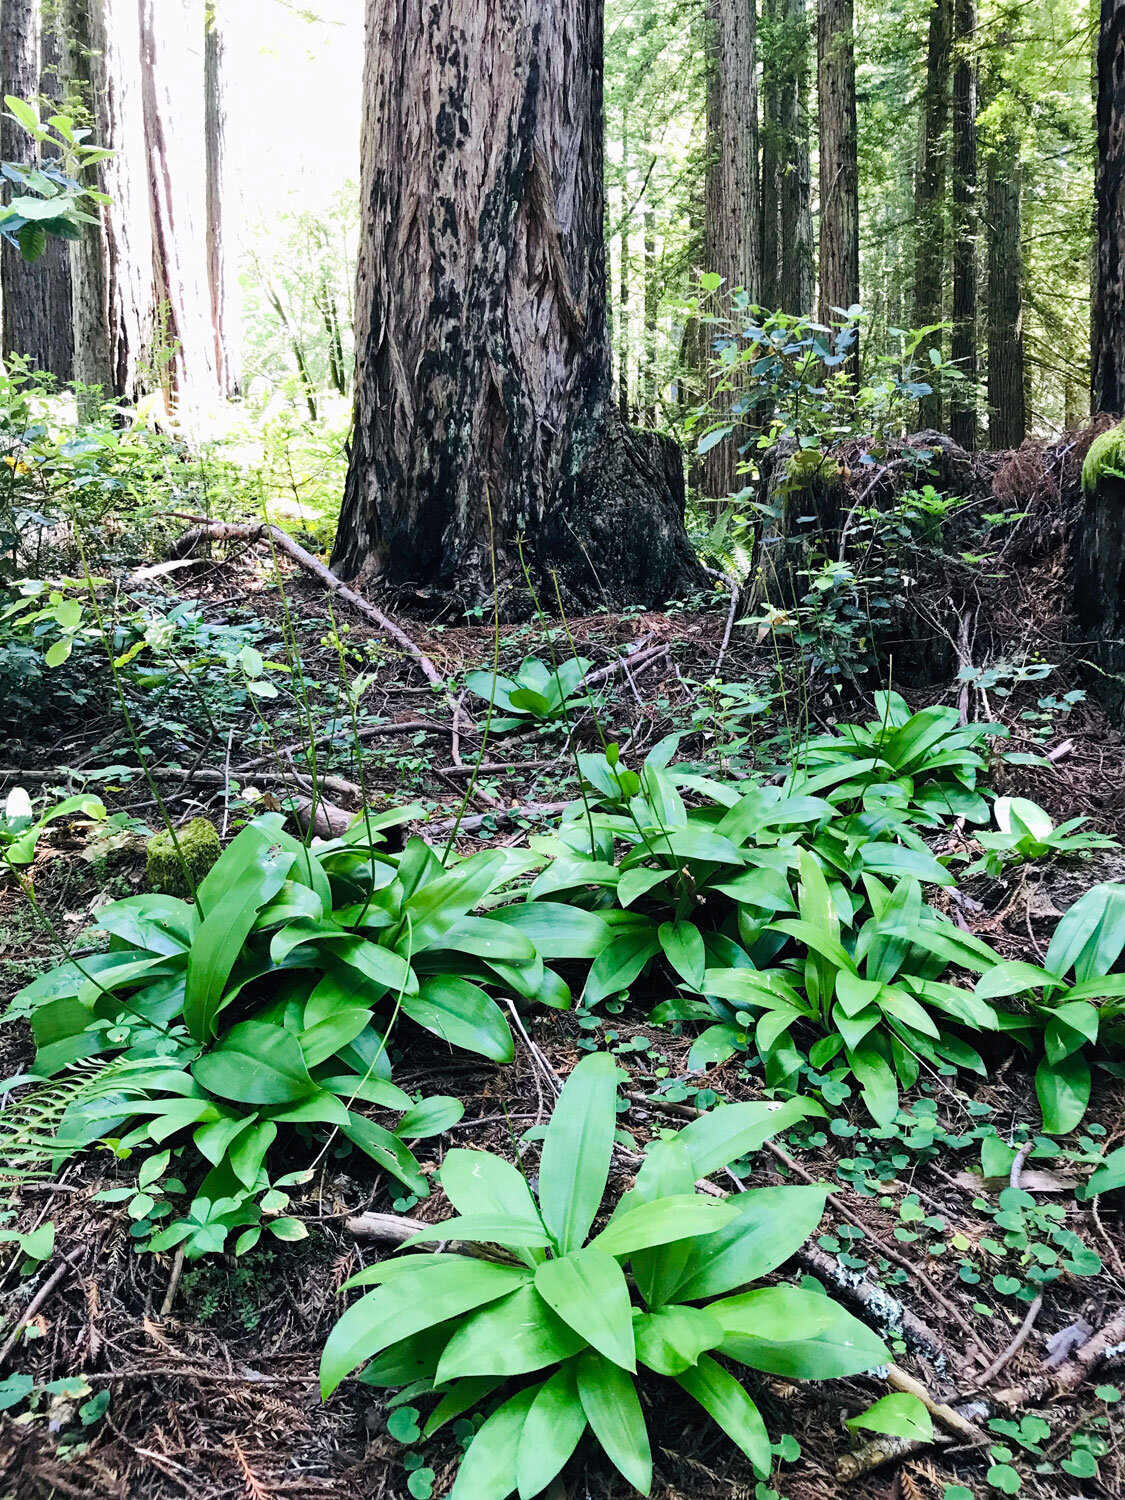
[212,1376]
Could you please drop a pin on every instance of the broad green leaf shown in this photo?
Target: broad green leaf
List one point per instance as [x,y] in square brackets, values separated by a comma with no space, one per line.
[386,1149]
[441,904]
[412,1301]
[577,1148]
[461,1014]
[461,1396]
[679,1217]
[488,1469]
[255,1063]
[613,1411]
[556,929]
[488,1229]
[798,1334]
[1064,1092]
[877,1081]
[725,1401]
[589,1292]
[324,1039]
[249,873]
[723,1135]
[672,1338]
[772,1224]
[514,1336]
[551,1432]
[683,948]
[433,1116]
[1090,936]
[1110,1175]
[619,964]
[478,1182]
[898,1415]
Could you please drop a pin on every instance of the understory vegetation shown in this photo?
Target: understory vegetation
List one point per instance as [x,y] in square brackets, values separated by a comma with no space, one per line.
[727,1011]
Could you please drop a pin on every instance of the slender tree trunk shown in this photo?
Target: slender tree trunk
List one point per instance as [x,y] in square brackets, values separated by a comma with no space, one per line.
[929,195]
[652,307]
[773,152]
[963,344]
[222,279]
[787,240]
[1007,407]
[1109,340]
[111,270]
[732,225]
[484,407]
[839,165]
[798,276]
[623,278]
[36,319]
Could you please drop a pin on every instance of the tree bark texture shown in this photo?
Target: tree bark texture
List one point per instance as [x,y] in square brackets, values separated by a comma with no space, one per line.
[732,214]
[929,195]
[963,341]
[222,279]
[787,237]
[172,71]
[1007,405]
[1109,334]
[839,166]
[484,405]
[1099,591]
[144,289]
[35,298]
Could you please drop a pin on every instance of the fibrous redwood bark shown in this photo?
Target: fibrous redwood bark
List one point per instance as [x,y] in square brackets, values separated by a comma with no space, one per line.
[732,216]
[1109,334]
[787,277]
[963,339]
[929,195]
[222,282]
[839,164]
[1007,405]
[483,387]
[36,320]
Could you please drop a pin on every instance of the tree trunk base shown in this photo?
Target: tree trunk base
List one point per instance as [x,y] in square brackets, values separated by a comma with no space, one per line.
[1099,590]
[618,538]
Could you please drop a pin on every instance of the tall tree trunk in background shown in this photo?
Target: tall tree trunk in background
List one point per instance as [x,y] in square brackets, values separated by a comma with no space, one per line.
[111,270]
[787,237]
[1109,339]
[839,165]
[222,282]
[1007,405]
[963,343]
[484,408]
[652,307]
[623,277]
[36,319]
[929,195]
[172,67]
[732,219]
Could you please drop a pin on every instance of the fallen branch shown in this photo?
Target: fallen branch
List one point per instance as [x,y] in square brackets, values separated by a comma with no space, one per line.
[1108,1343]
[734,596]
[57,1276]
[1021,1338]
[232,531]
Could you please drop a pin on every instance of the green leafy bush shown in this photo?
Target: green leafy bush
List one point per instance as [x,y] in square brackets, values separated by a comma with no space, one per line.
[1024,831]
[268,1000]
[1074,1001]
[539,693]
[555,1301]
[20,829]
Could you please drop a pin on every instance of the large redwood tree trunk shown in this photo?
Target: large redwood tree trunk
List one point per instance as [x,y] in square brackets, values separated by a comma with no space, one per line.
[483,386]
[35,299]
[839,163]
[733,215]
[963,339]
[1109,334]
[929,197]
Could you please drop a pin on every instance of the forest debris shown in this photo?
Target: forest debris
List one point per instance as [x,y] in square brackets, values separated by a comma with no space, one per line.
[257,531]
[1061,1345]
[1109,1343]
[1017,1343]
[57,1276]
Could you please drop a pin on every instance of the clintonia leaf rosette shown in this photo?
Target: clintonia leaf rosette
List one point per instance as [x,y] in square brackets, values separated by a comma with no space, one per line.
[559,1316]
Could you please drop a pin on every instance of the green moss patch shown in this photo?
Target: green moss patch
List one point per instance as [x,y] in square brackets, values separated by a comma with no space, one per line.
[164,867]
